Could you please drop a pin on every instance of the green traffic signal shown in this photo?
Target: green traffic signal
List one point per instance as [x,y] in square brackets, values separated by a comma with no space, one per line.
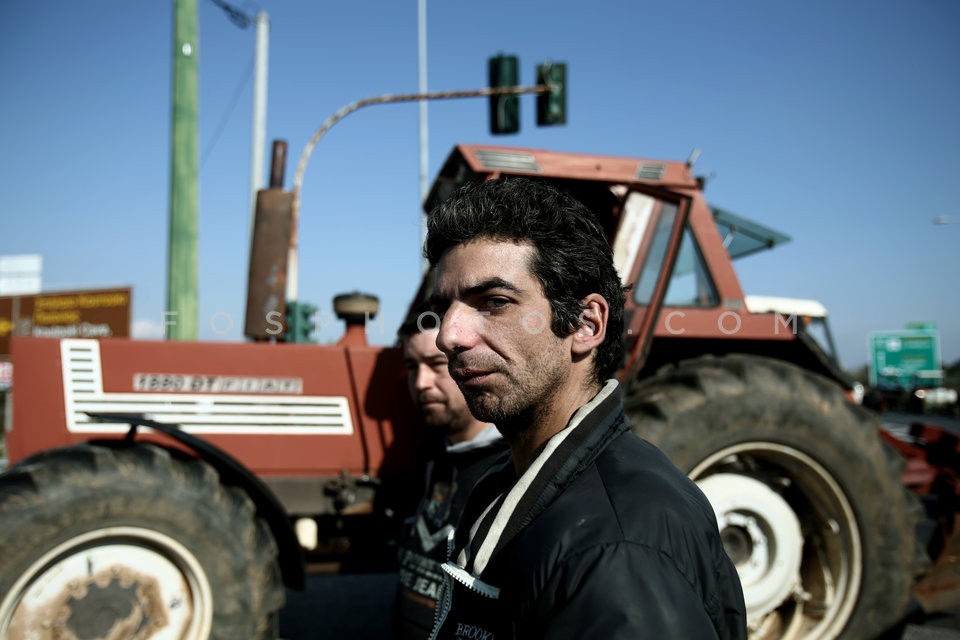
[299,322]
[552,106]
[504,110]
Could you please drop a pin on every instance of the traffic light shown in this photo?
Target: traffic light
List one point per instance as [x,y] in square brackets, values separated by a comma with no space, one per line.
[504,109]
[552,106]
[299,322]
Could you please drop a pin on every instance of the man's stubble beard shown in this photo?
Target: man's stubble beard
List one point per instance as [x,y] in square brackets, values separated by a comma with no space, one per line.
[515,413]
[437,419]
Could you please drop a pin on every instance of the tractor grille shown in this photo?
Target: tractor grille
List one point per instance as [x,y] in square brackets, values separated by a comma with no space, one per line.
[195,413]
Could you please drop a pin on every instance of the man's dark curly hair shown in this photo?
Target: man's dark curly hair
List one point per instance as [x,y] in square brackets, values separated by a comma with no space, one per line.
[572,257]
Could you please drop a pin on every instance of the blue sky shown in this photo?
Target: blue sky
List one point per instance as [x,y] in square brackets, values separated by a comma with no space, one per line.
[834,122]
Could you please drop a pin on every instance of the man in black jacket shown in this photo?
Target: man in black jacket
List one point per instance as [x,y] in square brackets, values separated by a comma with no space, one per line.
[457,450]
[587,531]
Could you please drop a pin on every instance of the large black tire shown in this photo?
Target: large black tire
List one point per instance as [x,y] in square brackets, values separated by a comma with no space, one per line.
[807,496]
[131,543]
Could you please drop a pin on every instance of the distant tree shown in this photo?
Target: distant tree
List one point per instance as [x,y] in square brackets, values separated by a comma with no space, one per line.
[951,375]
[861,374]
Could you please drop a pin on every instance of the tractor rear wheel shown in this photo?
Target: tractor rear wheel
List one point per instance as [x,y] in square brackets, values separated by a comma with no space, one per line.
[807,496]
[131,543]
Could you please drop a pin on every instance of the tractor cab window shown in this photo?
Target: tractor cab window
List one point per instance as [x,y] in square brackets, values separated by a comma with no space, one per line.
[690,283]
[657,254]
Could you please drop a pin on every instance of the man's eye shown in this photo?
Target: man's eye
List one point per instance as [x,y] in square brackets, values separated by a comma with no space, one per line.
[495,303]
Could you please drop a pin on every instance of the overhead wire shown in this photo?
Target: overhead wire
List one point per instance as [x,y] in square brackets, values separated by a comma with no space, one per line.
[242,20]
[237,93]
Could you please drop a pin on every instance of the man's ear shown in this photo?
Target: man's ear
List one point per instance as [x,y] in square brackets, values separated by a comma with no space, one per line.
[593,324]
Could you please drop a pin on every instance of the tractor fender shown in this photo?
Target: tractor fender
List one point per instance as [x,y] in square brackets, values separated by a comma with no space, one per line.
[232,472]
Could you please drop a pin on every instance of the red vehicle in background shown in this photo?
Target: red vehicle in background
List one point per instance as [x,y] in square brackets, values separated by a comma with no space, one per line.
[185,480]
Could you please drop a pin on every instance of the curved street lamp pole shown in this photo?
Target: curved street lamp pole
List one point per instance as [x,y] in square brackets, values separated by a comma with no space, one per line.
[292,266]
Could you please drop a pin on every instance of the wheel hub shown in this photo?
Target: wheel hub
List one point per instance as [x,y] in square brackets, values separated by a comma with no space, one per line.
[112,583]
[762,536]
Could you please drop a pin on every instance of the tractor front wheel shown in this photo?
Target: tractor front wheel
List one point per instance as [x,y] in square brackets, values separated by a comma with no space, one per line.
[131,543]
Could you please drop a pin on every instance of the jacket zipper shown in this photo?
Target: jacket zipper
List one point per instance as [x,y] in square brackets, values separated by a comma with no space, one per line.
[443,607]
[446,597]
[451,572]
[470,581]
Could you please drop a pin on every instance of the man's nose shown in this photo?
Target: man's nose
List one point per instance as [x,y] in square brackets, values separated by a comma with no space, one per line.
[425,377]
[459,328]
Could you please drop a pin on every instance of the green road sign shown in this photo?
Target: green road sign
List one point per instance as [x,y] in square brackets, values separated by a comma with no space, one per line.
[903,358]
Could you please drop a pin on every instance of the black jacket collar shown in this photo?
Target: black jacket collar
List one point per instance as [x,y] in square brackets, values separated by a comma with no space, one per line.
[502,504]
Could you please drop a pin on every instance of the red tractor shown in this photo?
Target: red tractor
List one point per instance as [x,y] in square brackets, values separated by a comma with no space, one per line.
[169,489]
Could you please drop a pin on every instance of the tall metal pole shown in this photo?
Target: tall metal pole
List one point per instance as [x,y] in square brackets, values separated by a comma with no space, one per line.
[259,133]
[182,312]
[424,149]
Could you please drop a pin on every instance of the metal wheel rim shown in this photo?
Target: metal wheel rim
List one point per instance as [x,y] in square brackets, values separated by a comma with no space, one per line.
[831,569]
[138,549]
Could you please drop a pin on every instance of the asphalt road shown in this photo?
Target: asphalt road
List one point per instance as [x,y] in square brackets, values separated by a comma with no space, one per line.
[335,607]
[893,420]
